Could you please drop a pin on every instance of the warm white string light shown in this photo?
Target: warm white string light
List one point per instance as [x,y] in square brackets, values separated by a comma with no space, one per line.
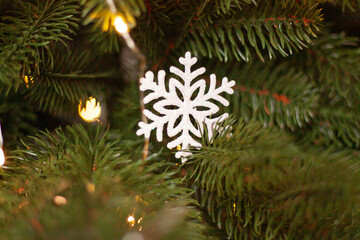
[92,110]
[131,220]
[122,28]
[120,25]
[60,200]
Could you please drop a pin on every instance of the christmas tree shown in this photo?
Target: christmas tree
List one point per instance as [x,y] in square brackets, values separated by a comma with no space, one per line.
[271,150]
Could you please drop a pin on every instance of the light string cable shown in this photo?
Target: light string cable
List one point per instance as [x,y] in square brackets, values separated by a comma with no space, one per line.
[142,63]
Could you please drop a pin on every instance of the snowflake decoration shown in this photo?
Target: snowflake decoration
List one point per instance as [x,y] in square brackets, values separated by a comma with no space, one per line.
[171,107]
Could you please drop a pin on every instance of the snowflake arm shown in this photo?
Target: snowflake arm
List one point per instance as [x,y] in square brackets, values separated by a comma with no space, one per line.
[211,124]
[187,75]
[157,123]
[158,90]
[214,93]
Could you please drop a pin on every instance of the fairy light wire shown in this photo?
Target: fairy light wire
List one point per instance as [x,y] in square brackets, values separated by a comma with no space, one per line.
[111,5]
[142,64]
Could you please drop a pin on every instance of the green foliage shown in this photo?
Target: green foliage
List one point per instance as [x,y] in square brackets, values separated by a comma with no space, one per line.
[271,93]
[209,9]
[126,108]
[156,23]
[276,28]
[28,30]
[17,119]
[64,80]
[335,125]
[317,89]
[51,91]
[332,63]
[102,188]
[256,184]
[252,184]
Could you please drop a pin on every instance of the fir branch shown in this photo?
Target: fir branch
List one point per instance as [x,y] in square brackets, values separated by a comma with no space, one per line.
[276,29]
[256,184]
[101,186]
[332,63]
[67,77]
[63,81]
[29,29]
[335,125]
[158,29]
[271,93]
[208,8]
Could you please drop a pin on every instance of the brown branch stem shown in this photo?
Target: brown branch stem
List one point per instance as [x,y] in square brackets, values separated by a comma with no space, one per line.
[142,64]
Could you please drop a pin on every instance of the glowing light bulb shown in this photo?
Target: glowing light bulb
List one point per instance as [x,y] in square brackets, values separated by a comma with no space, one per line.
[120,25]
[90,188]
[91,111]
[28,80]
[131,220]
[60,200]
[2,157]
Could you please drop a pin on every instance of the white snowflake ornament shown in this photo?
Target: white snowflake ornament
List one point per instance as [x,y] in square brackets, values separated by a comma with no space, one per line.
[174,109]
